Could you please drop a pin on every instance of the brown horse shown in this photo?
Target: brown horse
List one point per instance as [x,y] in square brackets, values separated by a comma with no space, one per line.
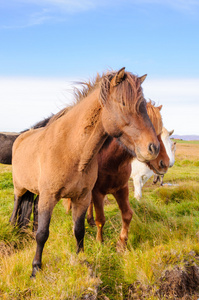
[114,169]
[6,142]
[60,160]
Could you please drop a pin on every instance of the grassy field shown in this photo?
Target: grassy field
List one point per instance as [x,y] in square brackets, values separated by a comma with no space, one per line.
[161,260]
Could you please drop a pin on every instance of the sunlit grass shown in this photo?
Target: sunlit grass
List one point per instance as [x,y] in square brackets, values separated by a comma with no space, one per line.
[163,234]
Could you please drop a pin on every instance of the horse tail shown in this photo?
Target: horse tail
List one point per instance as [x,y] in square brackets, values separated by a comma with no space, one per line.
[25,209]
[22,210]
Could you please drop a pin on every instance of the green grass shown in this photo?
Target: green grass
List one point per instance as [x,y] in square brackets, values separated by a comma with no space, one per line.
[163,234]
[186,142]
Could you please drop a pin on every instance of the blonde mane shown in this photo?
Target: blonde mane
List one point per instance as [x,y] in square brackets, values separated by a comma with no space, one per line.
[155,116]
[129,88]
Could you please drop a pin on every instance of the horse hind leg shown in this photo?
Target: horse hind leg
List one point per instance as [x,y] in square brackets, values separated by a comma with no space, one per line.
[90,217]
[122,198]
[98,200]
[35,214]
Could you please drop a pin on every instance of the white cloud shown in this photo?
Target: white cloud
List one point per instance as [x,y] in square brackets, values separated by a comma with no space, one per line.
[180,100]
[27,101]
[174,90]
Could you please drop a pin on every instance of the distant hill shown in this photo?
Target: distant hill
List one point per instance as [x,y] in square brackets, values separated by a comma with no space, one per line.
[186,137]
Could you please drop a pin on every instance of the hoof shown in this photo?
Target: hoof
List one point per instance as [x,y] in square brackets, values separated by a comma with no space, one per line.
[137,197]
[120,246]
[32,276]
[99,240]
[79,249]
[91,222]
[35,269]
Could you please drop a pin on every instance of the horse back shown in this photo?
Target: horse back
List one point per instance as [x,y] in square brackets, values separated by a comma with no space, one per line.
[49,157]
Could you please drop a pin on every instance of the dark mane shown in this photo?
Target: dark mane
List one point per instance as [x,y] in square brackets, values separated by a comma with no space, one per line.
[40,124]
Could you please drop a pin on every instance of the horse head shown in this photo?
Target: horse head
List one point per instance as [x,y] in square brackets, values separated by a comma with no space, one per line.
[124,114]
[169,145]
[160,164]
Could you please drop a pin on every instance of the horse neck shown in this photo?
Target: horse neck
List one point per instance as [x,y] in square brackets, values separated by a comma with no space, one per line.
[113,155]
[94,135]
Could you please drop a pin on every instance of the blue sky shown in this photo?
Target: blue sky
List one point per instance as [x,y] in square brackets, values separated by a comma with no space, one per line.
[47,44]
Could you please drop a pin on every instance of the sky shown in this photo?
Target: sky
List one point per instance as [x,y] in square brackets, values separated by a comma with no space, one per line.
[46,46]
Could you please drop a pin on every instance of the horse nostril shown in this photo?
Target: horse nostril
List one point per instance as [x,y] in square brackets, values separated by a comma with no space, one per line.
[153,149]
[161,164]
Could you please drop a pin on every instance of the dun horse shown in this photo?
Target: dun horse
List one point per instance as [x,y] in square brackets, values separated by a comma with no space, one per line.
[114,169]
[60,160]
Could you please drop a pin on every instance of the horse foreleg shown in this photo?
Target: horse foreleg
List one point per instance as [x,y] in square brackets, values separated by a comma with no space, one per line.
[137,182]
[45,208]
[90,218]
[79,208]
[161,180]
[122,198]
[67,204]
[156,179]
[98,200]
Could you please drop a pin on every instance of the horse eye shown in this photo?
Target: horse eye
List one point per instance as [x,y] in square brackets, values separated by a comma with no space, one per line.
[123,103]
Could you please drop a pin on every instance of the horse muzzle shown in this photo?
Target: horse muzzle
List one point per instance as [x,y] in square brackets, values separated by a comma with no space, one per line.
[150,153]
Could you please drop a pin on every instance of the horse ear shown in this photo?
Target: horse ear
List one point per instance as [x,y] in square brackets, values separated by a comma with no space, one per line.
[142,78]
[160,107]
[171,132]
[118,77]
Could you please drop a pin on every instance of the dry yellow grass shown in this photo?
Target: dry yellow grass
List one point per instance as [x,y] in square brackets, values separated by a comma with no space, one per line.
[5,168]
[187,151]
